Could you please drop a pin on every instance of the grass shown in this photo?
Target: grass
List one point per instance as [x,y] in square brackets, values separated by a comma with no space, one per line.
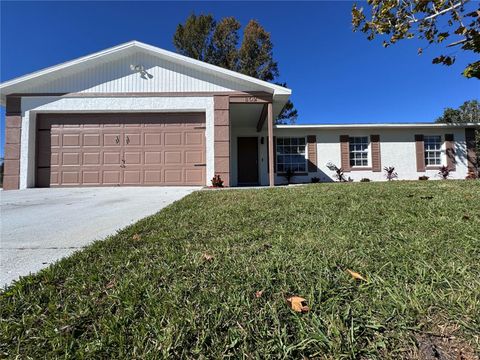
[149,292]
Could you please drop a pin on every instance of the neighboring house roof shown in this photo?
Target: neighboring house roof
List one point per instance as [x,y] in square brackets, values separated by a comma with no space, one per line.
[378,126]
[20,84]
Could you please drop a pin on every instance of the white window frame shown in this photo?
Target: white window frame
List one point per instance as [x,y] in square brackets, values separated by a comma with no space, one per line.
[305,154]
[440,151]
[367,150]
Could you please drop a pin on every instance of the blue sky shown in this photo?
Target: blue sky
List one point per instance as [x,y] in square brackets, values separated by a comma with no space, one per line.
[337,76]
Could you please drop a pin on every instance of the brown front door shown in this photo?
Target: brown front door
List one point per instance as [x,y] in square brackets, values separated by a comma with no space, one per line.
[121,149]
[247,154]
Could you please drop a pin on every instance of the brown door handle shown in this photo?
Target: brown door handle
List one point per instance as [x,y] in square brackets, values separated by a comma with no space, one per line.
[117,139]
[123,163]
[127,140]
[200,165]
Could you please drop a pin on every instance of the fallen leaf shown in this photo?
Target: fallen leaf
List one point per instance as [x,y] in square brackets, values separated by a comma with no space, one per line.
[259,294]
[110,285]
[136,237]
[298,304]
[356,275]
[207,257]
[466,217]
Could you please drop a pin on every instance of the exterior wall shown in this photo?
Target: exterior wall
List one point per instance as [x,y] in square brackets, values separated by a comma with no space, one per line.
[13,131]
[161,76]
[34,105]
[397,148]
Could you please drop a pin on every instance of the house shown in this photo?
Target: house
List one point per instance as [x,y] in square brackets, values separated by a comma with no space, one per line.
[137,115]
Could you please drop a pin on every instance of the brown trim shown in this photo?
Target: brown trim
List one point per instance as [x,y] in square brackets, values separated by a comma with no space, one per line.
[263,117]
[433,167]
[221,115]
[13,105]
[13,131]
[271,166]
[345,152]
[471,153]
[312,153]
[420,153]
[376,154]
[450,151]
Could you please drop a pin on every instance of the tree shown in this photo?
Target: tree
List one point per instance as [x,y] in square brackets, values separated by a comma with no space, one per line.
[433,21]
[468,112]
[217,43]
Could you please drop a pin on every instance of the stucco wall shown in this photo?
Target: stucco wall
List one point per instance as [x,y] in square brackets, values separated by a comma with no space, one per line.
[397,148]
[34,105]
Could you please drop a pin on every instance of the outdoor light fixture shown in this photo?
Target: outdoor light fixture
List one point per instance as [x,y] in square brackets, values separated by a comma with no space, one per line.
[140,69]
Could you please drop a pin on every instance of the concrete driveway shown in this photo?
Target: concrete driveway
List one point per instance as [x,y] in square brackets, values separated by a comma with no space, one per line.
[40,226]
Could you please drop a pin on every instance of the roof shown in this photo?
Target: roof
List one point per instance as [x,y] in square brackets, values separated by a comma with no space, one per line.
[15,85]
[378,126]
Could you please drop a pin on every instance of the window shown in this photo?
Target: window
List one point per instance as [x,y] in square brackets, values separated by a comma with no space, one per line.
[433,150]
[291,154]
[358,150]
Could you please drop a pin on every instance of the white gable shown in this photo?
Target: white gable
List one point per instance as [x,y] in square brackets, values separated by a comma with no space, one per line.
[113,71]
[161,76]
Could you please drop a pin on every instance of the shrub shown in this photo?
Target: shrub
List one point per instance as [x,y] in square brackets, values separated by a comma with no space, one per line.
[444,172]
[315,179]
[471,176]
[423,177]
[339,175]
[365,180]
[390,173]
[288,175]
[217,181]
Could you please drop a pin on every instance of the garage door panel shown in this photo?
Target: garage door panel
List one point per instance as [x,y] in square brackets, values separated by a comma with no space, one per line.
[91,158]
[111,158]
[111,177]
[91,177]
[122,149]
[132,177]
[70,158]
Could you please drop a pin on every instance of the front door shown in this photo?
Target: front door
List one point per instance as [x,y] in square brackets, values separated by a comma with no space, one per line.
[247,154]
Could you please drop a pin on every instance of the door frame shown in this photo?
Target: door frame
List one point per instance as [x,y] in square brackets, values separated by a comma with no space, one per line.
[257,181]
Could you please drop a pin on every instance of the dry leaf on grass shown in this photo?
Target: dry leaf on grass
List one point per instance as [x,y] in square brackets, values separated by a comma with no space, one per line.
[136,237]
[110,285]
[207,257]
[356,275]
[298,304]
[259,294]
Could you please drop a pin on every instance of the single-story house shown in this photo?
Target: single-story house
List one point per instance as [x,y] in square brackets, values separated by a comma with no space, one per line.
[138,115]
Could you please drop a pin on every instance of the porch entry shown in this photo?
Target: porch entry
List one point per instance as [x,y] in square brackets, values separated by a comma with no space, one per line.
[247,154]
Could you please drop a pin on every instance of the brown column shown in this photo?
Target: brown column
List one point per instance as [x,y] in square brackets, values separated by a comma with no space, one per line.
[450,151]
[471,155]
[13,129]
[271,150]
[221,104]
[345,152]
[312,153]
[420,153]
[376,155]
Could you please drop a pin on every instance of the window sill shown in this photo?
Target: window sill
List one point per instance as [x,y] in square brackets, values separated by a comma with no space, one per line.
[360,169]
[436,167]
[294,174]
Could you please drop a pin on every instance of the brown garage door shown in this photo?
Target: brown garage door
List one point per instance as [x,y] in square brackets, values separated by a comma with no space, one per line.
[120,149]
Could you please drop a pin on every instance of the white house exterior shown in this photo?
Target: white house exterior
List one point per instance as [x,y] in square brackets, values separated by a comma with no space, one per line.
[137,115]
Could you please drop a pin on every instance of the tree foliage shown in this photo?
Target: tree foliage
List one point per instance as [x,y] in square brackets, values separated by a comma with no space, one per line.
[433,21]
[217,43]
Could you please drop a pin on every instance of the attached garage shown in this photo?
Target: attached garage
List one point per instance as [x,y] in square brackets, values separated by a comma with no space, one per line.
[120,149]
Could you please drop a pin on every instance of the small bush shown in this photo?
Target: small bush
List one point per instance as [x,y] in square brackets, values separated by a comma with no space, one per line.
[390,173]
[444,172]
[217,181]
[315,179]
[423,177]
[365,180]
[471,176]
[339,175]
[288,175]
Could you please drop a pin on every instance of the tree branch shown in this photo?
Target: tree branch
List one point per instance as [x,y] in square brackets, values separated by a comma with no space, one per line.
[439,13]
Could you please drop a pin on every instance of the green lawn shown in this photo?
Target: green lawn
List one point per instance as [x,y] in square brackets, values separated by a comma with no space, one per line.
[149,291]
